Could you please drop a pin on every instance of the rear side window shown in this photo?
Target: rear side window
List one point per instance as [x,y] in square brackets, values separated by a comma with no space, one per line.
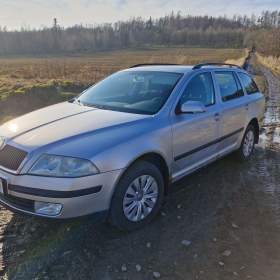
[248,83]
[200,88]
[230,88]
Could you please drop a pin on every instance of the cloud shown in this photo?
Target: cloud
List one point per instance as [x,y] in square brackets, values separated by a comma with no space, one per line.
[37,13]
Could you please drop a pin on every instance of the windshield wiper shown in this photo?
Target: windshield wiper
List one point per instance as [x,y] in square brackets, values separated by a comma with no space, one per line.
[90,105]
[99,106]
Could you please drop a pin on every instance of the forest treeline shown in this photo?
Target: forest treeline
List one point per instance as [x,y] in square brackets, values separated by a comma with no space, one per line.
[262,31]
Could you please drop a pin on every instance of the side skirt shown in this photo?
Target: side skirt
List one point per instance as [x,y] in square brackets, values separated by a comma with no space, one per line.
[182,173]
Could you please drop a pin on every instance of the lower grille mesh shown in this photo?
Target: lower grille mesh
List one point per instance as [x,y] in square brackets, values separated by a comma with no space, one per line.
[11,157]
[21,203]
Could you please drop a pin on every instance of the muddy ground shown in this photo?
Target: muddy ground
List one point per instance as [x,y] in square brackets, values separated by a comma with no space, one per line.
[222,222]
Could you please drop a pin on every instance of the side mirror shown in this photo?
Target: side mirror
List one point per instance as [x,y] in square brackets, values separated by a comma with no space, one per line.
[192,107]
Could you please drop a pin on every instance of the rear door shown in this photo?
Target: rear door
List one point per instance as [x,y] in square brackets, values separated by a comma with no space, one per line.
[255,98]
[233,109]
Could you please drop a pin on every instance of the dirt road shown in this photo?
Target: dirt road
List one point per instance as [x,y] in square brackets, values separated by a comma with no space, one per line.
[222,222]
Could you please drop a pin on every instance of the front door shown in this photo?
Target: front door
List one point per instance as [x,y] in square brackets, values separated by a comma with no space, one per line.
[195,135]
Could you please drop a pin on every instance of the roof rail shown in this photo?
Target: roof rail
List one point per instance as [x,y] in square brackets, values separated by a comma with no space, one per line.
[152,64]
[198,66]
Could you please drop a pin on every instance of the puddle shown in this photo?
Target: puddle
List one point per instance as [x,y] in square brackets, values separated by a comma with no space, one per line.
[276,135]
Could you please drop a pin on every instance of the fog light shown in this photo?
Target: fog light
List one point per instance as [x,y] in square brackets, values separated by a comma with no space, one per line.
[47,208]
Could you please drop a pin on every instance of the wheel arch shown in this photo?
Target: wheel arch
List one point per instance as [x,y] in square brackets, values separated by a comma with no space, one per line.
[158,160]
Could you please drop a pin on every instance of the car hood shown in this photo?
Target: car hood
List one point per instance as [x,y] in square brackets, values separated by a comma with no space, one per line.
[61,121]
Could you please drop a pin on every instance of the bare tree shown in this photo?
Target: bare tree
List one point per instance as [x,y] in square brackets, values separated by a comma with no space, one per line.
[173,29]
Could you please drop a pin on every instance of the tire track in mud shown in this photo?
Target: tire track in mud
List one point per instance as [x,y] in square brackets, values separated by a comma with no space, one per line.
[268,167]
[270,135]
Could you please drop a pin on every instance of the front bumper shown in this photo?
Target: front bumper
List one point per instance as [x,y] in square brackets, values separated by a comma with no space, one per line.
[78,196]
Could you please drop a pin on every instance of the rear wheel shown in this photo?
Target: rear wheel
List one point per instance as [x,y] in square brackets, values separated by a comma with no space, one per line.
[248,143]
[138,196]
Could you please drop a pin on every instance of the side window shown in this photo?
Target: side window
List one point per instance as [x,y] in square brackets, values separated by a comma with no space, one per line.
[248,83]
[200,88]
[230,88]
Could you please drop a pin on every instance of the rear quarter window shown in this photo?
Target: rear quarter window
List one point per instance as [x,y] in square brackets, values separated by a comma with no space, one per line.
[248,83]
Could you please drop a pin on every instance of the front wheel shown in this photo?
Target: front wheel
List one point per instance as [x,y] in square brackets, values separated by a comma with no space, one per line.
[248,143]
[138,196]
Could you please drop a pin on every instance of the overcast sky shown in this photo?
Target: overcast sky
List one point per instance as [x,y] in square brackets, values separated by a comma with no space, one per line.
[37,13]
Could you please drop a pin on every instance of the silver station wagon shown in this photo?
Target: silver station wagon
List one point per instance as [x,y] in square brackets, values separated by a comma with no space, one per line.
[116,148]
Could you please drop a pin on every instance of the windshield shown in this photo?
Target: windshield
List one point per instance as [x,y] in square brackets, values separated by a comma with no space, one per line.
[141,92]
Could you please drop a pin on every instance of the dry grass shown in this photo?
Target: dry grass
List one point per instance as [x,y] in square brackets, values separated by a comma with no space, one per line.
[240,60]
[19,74]
[259,77]
[27,84]
[262,83]
[271,62]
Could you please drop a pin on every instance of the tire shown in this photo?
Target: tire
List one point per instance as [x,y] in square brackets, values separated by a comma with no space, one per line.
[248,144]
[125,212]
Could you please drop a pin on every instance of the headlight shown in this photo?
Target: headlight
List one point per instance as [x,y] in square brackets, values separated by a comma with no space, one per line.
[60,166]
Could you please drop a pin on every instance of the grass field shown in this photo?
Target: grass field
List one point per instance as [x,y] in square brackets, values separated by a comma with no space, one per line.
[32,82]
[18,74]
[270,62]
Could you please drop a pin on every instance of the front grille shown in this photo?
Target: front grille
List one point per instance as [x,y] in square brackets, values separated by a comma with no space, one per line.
[11,157]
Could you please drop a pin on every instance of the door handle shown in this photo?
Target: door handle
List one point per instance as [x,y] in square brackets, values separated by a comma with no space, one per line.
[217,117]
[247,106]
